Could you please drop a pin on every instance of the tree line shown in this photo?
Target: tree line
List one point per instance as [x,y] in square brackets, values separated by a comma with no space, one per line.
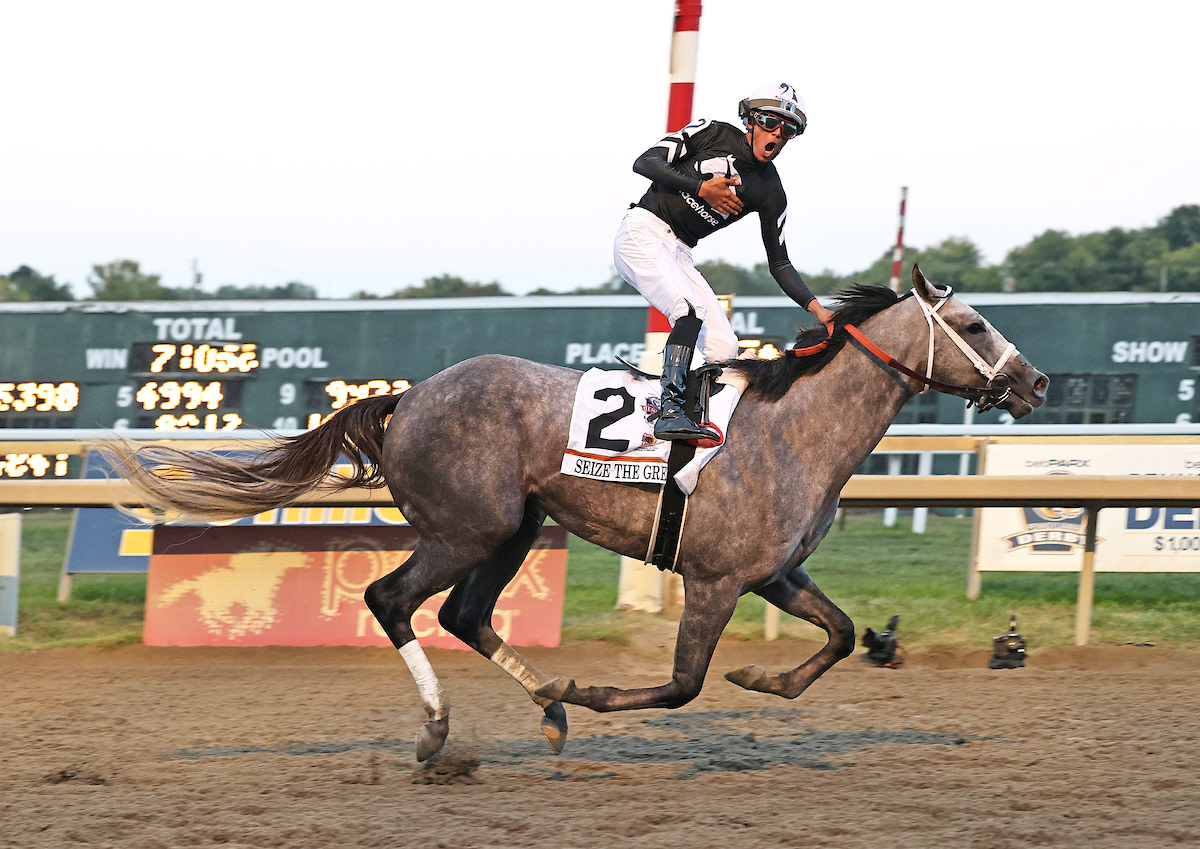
[1165,257]
[124,280]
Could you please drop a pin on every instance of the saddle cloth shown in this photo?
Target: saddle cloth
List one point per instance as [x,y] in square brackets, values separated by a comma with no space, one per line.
[611,439]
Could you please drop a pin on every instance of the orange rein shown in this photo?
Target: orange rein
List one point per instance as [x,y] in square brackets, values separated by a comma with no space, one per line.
[820,346]
[888,360]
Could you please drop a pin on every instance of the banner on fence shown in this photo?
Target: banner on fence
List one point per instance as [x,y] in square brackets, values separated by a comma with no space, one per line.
[303,586]
[1051,539]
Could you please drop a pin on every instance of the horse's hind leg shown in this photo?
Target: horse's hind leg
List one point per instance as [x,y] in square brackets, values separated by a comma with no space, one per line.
[394,598]
[797,594]
[467,614]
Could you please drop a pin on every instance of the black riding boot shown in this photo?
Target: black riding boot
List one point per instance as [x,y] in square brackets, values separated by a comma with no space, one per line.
[674,421]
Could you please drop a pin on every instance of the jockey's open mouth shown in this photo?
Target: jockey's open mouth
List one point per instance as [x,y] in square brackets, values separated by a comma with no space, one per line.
[766,145]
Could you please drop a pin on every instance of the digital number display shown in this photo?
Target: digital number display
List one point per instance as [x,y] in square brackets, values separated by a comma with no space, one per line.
[190,421]
[329,396]
[33,465]
[188,395]
[33,397]
[164,358]
[335,394]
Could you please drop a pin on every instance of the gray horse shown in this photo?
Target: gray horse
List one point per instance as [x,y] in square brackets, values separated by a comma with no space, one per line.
[496,428]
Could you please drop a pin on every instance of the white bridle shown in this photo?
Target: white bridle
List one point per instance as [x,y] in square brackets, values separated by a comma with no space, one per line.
[981,366]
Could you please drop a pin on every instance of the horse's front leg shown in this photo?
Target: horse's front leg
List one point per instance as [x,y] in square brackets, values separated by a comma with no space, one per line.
[706,611]
[798,595]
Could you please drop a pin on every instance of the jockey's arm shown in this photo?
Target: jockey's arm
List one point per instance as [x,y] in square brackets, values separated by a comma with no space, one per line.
[794,287]
[653,165]
[784,272]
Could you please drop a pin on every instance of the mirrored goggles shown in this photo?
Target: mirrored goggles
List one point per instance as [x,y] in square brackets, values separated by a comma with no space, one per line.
[771,122]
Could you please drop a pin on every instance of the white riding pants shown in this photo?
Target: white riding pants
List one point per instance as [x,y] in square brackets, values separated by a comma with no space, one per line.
[648,254]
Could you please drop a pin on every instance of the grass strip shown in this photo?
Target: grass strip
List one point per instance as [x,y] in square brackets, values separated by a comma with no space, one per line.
[870,571]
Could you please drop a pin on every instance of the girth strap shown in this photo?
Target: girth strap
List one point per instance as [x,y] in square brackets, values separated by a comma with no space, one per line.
[663,551]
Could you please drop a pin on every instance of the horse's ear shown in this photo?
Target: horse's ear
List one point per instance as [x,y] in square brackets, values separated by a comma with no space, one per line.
[927,289]
[920,284]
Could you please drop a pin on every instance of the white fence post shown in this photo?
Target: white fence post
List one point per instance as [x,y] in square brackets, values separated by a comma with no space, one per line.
[894,468]
[921,514]
[10,571]
[771,622]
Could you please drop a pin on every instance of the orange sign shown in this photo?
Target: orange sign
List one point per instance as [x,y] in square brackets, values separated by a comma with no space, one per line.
[303,586]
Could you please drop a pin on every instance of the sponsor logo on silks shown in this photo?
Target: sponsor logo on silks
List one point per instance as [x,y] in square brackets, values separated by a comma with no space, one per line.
[1050,530]
[721,166]
[700,209]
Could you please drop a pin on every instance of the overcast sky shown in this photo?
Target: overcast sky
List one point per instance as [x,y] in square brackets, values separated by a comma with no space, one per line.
[370,145]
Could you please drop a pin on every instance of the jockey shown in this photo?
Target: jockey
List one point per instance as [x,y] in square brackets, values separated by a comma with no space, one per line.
[703,178]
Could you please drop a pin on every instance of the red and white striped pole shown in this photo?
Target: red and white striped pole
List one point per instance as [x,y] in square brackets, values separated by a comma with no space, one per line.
[898,253]
[642,586]
[684,43]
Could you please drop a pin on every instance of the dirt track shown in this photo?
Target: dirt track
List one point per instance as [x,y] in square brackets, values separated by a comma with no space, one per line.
[140,747]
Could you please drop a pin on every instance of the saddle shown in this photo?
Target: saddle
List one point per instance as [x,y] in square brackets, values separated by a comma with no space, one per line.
[700,388]
[611,438]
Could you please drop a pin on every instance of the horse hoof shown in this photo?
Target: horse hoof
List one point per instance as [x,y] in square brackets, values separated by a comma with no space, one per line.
[431,737]
[748,677]
[556,688]
[554,726]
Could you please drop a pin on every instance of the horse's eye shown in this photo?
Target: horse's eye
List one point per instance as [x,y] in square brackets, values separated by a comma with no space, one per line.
[976,327]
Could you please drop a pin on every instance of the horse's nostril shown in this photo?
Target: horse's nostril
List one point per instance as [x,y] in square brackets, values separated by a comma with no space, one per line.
[1041,383]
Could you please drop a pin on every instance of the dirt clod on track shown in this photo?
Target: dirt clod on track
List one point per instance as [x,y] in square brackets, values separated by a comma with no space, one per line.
[143,748]
[447,768]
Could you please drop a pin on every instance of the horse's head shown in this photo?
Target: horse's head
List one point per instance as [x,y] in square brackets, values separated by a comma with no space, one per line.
[972,357]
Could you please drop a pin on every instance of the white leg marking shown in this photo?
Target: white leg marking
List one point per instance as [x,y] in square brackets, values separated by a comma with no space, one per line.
[525,673]
[433,696]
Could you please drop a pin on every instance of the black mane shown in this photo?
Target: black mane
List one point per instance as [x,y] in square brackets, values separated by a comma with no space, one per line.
[772,378]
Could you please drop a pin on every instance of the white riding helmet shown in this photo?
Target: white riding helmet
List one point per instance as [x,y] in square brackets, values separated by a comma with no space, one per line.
[779,98]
